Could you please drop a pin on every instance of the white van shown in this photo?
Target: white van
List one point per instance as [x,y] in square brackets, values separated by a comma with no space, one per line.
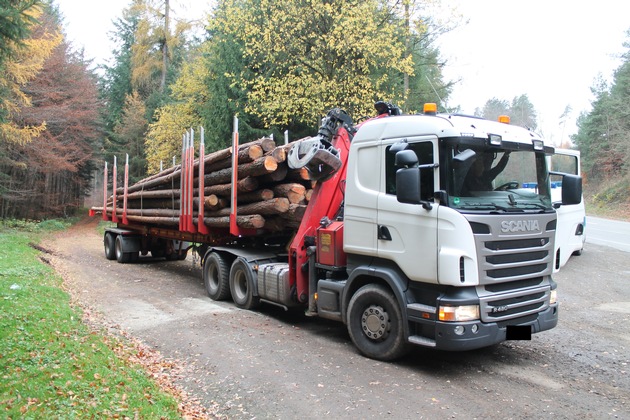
[570,235]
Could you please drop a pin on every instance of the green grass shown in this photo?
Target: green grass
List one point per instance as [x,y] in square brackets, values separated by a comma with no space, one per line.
[608,199]
[51,364]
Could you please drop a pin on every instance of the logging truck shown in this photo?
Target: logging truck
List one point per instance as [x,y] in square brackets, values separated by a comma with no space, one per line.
[409,229]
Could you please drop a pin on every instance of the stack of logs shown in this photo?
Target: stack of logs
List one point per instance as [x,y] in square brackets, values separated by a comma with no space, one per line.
[270,195]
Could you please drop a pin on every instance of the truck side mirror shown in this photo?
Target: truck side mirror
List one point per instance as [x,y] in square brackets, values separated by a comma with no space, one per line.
[407,177]
[408,185]
[571,189]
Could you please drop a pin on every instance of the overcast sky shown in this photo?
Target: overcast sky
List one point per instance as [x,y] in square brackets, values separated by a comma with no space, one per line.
[551,50]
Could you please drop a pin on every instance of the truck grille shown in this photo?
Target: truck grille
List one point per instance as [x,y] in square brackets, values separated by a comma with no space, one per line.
[506,257]
[514,267]
[519,302]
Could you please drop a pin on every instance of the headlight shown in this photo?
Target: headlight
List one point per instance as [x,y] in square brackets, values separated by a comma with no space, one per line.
[459,313]
[553,297]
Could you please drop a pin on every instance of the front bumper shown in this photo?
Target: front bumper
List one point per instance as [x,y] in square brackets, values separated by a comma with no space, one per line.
[487,334]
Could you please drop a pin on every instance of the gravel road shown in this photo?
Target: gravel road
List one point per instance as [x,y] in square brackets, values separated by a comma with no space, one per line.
[283,365]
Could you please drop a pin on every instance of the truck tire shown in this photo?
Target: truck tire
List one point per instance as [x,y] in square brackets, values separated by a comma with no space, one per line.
[121,257]
[216,276]
[242,285]
[110,246]
[375,323]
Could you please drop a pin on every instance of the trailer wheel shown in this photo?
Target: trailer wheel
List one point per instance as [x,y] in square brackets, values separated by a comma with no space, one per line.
[242,285]
[121,257]
[375,323]
[110,246]
[216,276]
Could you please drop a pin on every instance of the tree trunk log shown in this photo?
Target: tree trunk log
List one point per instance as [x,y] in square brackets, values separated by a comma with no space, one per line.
[262,166]
[248,153]
[276,176]
[268,207]
[294,192]
[252,221]
[258,195]
[214,202]
[244,185]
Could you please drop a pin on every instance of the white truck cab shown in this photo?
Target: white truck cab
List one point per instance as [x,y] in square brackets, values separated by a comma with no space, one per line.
[570,231]
[438,207]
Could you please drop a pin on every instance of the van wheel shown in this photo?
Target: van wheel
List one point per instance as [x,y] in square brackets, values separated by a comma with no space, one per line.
[242,285]
[375,323]
[216,276]
[110,246]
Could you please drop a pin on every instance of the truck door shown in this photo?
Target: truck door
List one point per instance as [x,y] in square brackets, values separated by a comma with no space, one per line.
[570,235]
[407,233]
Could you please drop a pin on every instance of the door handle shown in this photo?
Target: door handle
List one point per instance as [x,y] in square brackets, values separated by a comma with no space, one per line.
[383,233]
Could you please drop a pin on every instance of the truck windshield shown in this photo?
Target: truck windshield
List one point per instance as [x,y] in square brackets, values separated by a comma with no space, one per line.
[484,179]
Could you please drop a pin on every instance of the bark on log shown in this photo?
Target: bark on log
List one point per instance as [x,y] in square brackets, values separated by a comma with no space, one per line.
[150,212]
[279,154]
[280,224]
[258,195]
[266,143]
[167,193]
[214,202]
[294,192]
[295,213]
[298,175]
[252,221]
[152,204]
[174,173]
[248,153]
[264,165]
[244,185]
[264,208]
[276,176]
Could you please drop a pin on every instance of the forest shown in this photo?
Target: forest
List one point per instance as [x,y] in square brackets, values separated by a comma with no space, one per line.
[277,65]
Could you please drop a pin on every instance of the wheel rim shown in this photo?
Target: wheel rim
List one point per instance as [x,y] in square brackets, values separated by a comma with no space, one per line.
[118,248]
[213,278]
[240,286]
[375,323]
[108,246]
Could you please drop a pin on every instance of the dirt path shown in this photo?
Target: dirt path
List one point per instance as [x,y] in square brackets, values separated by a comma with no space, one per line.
[276,364]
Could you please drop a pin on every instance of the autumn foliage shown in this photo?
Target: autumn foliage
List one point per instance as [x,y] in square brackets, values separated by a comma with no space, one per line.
[47,176]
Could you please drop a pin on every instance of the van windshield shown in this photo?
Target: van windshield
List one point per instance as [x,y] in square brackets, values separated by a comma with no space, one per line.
[488,179]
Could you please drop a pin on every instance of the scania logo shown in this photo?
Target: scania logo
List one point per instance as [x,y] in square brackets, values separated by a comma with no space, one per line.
[519,226]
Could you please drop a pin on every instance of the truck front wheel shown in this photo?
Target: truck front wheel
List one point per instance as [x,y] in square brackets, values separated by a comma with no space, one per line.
[375,323]
[242,285]
[216,276]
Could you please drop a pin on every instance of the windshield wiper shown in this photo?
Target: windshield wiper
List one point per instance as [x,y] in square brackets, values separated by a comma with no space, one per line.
[528,206]
[491,206]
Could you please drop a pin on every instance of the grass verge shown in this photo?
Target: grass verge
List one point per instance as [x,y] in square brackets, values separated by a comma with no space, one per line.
[52,365]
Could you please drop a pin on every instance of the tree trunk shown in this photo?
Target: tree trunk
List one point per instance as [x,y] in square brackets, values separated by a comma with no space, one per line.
[165,45]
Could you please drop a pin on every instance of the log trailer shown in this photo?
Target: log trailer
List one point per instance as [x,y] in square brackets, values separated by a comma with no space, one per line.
[393,242]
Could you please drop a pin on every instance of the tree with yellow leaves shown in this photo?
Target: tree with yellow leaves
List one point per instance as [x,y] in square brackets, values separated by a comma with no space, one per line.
[22,61]
[154,45]
[164,137]
[306,56]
